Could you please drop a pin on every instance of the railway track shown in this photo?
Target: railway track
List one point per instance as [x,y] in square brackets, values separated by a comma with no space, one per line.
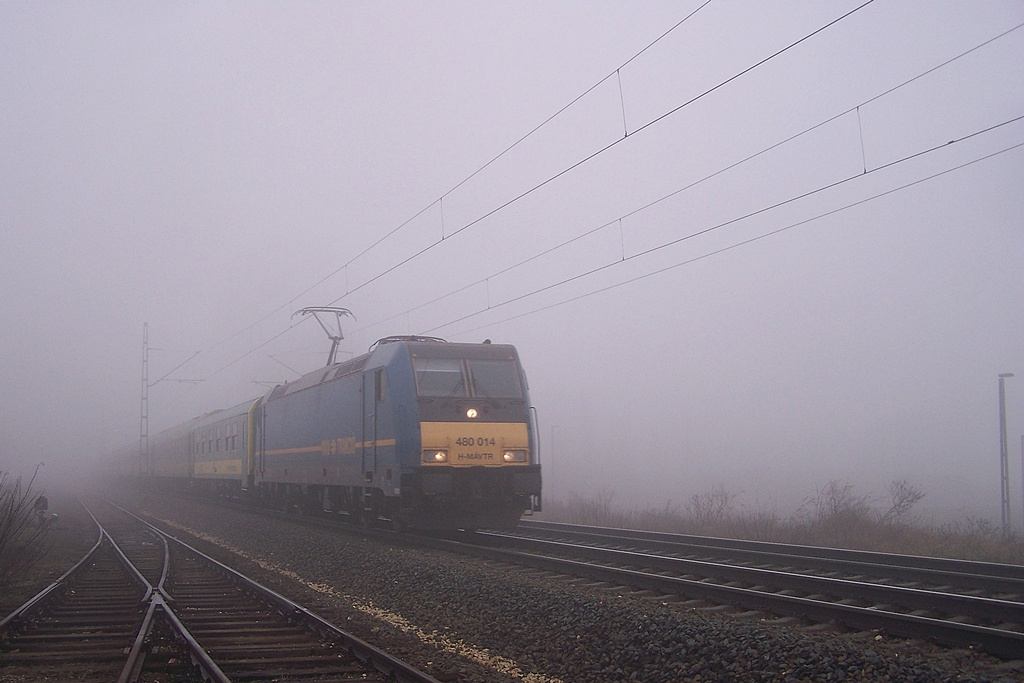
[951,602]
[965,576]
[486,604]
[79,626]
[142,603]
[957,603]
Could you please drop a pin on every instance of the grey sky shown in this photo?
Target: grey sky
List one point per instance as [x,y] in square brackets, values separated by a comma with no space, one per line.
[212,167]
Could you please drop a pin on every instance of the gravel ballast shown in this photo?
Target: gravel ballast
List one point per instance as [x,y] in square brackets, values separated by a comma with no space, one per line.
[461,619]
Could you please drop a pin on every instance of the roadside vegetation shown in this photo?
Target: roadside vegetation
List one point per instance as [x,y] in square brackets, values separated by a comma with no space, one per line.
[23,529]
[835,515]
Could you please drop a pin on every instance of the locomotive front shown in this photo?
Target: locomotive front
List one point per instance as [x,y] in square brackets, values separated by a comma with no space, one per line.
[478,457]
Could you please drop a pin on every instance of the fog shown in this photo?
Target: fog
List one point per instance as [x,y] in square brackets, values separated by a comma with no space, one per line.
[741,244]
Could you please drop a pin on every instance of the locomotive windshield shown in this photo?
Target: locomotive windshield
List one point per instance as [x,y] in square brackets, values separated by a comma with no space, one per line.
[494,379]
[459,378]
[439,377]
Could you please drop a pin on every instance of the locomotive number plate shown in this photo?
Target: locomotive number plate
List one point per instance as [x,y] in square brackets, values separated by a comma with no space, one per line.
[476,444]
[478,441]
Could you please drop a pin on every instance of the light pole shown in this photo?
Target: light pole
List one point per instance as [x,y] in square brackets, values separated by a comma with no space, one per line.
[1004,457]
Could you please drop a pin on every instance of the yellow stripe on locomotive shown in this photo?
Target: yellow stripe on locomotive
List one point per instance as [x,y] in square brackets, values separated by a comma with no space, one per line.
[467,444]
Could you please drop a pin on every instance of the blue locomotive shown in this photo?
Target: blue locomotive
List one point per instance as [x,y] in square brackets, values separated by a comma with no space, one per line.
[422,432]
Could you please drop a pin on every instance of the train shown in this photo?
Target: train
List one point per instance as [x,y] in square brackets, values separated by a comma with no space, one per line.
[418,432]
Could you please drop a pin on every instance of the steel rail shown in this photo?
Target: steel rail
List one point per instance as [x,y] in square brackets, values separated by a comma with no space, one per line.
[197,653]
[201,660]
[155,598]
[385,663]
[993,639]
[389,666]
[911,598]
[998,641]
[854,564]
[81,570]
[867,558]
[31,603]
[137,575]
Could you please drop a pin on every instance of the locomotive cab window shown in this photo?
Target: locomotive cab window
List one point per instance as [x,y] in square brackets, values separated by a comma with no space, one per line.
[439,377]
[494,379]
[458,378]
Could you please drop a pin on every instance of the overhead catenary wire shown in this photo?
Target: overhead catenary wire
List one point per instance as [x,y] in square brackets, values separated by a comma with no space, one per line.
[709,254]
[593,155]
[647,125]
[688,186]
[439,200]
[570,168]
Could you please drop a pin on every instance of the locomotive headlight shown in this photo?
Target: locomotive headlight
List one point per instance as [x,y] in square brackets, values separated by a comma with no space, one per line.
[471,413]
[514,456]
[435,456]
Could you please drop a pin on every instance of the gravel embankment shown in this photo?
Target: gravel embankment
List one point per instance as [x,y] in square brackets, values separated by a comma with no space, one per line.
[464,620]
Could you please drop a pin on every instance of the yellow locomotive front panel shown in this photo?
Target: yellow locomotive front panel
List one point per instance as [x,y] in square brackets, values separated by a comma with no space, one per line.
[466,444]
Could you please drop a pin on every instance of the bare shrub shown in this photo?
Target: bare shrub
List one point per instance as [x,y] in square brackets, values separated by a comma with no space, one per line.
[22,531]
[710,507]
[981,527]
[757,526]
[835,515]
[837,502]
[903,496]
[666,518]
[596,511]
[976,538]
